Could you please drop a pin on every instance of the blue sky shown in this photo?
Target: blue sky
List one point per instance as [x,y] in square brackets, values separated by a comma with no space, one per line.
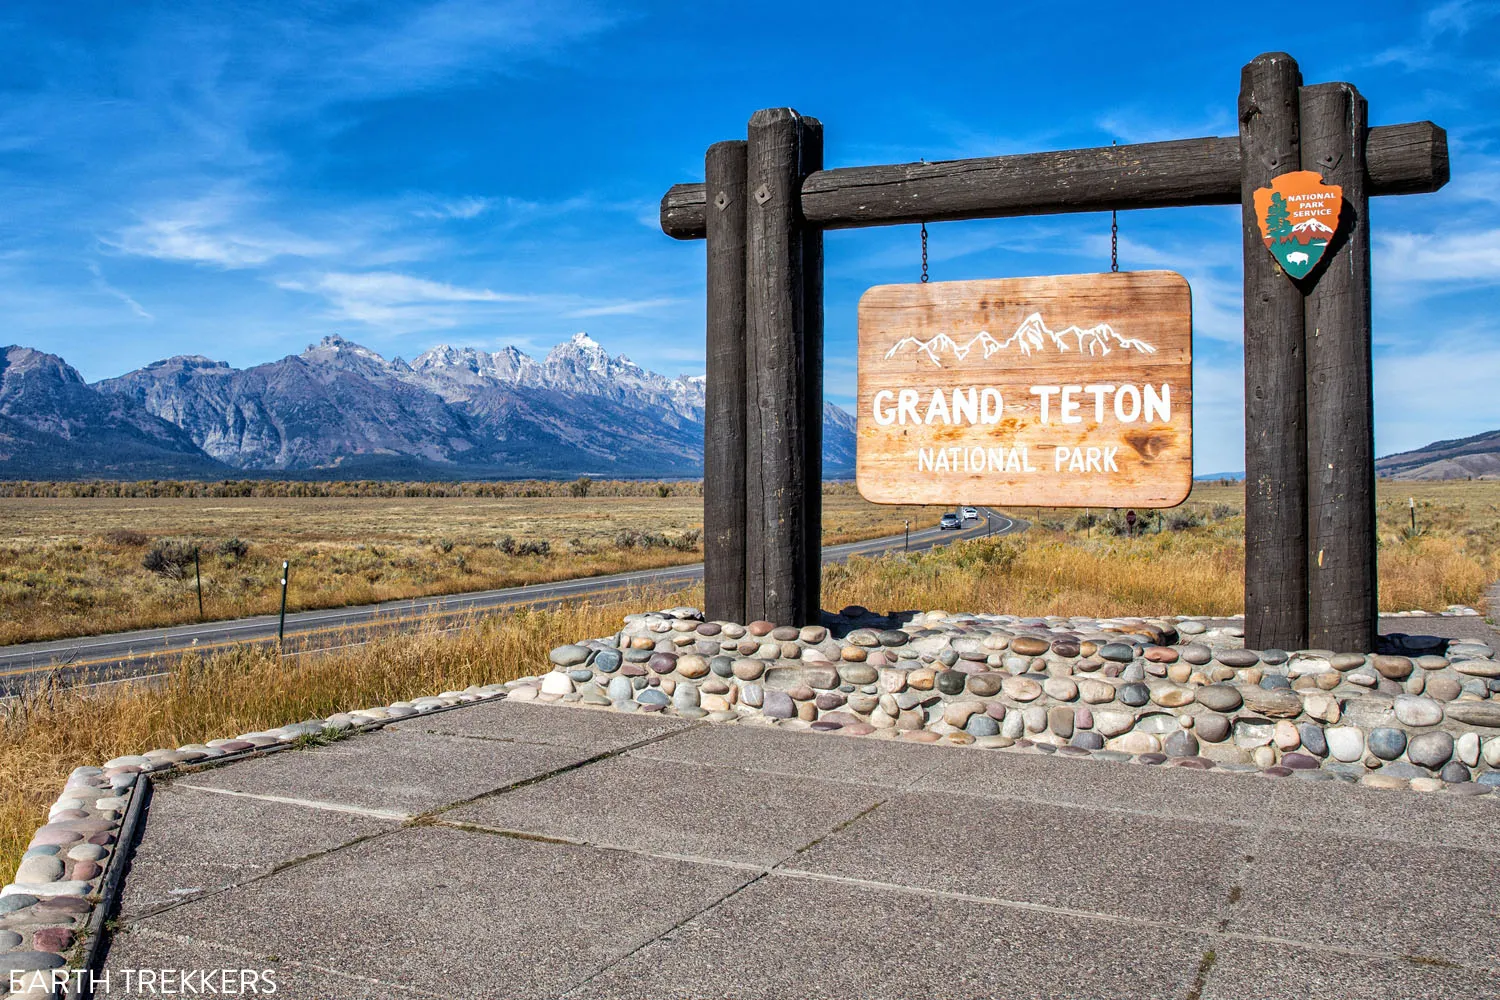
[238,180]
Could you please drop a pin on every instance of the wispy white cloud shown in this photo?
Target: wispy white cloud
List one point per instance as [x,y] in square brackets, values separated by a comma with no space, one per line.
[1438,259]
[398,301]
[219,229]
[627,307]
[104,286]
[1439,25]
[470,207]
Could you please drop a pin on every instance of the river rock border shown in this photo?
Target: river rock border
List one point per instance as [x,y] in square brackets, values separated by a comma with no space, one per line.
[1420,715]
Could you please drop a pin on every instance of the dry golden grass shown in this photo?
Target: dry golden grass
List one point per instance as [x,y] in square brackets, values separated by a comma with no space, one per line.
[72,566]
[48,732]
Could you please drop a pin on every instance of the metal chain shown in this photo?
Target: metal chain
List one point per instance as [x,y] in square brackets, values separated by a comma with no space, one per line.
[1114,233]
[924,253]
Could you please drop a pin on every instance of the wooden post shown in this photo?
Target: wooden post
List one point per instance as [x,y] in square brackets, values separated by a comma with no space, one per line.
[725,412]
[776,543]
[1342,598]
[1275,392]
[812,384]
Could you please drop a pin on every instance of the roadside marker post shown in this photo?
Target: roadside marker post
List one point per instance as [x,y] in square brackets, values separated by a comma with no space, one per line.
[198,573]
[281,623]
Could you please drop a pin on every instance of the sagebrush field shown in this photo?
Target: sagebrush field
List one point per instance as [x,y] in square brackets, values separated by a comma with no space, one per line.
[85,565]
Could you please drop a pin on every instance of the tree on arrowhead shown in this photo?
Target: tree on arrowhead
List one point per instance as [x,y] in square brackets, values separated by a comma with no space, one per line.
[1278,218]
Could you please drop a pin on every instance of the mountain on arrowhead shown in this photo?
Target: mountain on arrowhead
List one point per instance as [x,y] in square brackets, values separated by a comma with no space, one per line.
[341,409]
[1031,336]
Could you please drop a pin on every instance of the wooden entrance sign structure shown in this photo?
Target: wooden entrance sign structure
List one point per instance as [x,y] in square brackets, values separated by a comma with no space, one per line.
[1309,438]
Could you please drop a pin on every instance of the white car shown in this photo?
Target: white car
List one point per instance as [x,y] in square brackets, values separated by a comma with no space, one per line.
[969,513]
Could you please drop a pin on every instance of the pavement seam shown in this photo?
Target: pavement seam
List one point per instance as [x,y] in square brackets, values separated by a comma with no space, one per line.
[1206,932]
[338,807]
[292,962]
[431,815]
[541,838]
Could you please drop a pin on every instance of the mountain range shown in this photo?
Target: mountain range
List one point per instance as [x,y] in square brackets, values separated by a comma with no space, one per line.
[1476,457]
[1032,335]
[340,410]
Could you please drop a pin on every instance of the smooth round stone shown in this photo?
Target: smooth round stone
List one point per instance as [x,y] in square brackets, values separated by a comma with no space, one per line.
[893,637]
[1476,713]
[570,655]
[723,666]
[1152,757]
[652,696]
[1181,744]
[1237,657]
[1113,723]
[778,705]
[1027,645]
[30,961]
[1394,668]
[40,869]
[1212,728]
[578,675]
[20,900]
[1116,652]
[1036,718]
[1160,654]
[1088,741]
[1196,653]
[853,654]
[620,689]
[1060,688]
[1275,682]
[9,940]
[1134,694]
[1171,695]
[1299,761]
[663,663]
[1313,740]
[1417,712]
[1020,688]
[1275,657]
[1219,697]
[1466,748]
[984,685]
[1490,778]
[1442,688]
[1430,750]
[53,939]
[749,670]
[858,673]
[1454,772]
[692,666]
[1386,743]
[1095,692]
[1346,743]
[981,725]
[1060,720]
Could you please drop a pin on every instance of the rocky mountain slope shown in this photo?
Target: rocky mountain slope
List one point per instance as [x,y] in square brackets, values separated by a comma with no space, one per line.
[52,423]
[341,409]
[1476,457]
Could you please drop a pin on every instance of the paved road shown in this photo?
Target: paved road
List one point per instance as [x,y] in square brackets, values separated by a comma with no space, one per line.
[132,654]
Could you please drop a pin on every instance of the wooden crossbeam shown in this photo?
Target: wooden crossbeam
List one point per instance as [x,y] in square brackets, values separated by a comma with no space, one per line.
[1411,158]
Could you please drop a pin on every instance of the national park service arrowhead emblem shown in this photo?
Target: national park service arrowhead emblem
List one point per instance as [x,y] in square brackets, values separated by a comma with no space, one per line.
[1298,215]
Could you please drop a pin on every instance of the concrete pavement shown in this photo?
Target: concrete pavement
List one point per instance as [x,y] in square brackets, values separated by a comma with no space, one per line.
[506,850]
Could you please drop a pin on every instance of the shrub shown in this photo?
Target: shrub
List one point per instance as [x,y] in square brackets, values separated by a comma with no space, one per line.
[1224,511]
[169,558]
[233,548]
[1187,517]
[539,547]
[445,545]
[506,544]
[1085,521]
[663,490]
[578,547]
[125,537]
[627,539]
[580,486]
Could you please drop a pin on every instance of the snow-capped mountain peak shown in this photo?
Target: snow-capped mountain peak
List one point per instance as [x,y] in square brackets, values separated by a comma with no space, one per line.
[1030,336]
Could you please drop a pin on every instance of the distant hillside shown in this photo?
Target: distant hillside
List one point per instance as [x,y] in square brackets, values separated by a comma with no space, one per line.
[1476,457]
[339,410]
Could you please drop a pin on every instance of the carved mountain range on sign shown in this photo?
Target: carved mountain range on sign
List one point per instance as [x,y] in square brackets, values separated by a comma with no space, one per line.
[1031,336]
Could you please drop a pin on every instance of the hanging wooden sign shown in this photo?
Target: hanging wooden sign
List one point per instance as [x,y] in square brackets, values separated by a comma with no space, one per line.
[1070,391]
[1298,215]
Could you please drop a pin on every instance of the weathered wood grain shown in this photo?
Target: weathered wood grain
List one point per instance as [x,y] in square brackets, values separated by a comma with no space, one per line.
[1341,562]
[1275,391]
[1113,330]
[1409,158]
[724,410]
[776,544]
[812,386]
